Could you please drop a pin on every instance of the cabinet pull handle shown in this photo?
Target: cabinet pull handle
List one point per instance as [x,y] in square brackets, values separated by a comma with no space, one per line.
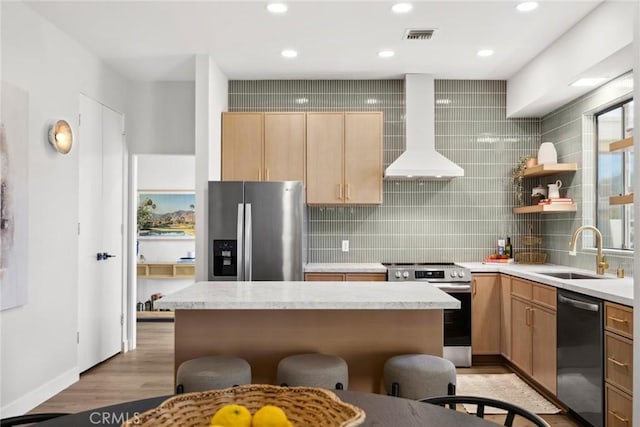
[615,362]
[266,174]
[348,188]
[473,287]
[615,319]
[526,316]
[339,187]
[618,417]
[259,174]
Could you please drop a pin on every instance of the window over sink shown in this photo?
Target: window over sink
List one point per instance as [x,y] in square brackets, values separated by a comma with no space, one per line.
[614,175]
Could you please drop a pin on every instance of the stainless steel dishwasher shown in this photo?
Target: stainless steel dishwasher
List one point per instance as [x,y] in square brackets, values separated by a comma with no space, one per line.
[581,356]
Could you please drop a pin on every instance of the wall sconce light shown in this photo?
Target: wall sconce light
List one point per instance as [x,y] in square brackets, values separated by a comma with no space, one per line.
[61,137]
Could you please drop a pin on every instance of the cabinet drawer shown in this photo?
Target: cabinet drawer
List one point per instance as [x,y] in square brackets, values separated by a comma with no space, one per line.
[619,361]
[324,277]
[521,288]
[365,277]
[618,408]
[619,319]
[544,295]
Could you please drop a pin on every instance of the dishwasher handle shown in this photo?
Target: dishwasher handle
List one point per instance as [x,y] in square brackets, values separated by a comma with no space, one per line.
[578,304]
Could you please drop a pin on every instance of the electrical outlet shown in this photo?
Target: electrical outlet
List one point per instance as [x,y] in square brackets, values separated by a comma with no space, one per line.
[345,246]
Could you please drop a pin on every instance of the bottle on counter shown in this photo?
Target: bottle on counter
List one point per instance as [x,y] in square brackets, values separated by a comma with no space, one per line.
[501,248]
[508,249]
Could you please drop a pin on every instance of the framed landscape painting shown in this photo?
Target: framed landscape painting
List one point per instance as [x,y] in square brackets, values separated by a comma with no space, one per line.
[166,214]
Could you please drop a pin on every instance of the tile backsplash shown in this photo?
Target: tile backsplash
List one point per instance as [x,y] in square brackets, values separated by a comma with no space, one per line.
[456,220]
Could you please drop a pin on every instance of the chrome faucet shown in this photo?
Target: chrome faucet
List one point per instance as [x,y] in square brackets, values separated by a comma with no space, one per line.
[601,264]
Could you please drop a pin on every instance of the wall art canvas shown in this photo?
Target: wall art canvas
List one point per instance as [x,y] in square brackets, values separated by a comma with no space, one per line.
[14,142]
[165,214]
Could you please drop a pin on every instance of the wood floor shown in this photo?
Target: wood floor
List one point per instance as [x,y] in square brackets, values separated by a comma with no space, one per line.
[148,372]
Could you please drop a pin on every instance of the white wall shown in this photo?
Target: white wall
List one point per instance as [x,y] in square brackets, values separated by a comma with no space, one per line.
[212,87]
[636,213]
[39,351]
[601,42]
[164,118]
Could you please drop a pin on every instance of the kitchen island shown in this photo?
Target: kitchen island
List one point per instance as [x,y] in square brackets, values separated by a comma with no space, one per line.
[363,322]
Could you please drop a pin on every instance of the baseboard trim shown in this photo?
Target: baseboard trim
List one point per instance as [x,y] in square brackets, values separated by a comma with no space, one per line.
[35,397]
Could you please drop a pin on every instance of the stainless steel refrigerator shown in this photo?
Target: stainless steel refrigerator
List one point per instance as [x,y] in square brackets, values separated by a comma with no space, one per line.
[256,230]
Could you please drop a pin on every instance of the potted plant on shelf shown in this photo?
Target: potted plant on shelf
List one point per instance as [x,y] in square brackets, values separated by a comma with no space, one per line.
[518,173]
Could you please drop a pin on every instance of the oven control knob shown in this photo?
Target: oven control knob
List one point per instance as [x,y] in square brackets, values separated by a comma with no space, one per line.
[405,274]
[398,274]
[453,273]
[461,274]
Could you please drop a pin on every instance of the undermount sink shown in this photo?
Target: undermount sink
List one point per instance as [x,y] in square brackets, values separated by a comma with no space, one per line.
[569,275]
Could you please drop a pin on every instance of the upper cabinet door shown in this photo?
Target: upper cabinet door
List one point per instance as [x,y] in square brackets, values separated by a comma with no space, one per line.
[242,146]
[325,158]
[363,158]
[284,146]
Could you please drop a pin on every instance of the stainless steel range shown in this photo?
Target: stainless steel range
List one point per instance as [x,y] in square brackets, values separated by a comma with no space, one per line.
[454,280]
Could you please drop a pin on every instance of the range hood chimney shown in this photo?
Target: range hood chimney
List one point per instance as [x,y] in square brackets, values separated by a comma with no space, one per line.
[421,160]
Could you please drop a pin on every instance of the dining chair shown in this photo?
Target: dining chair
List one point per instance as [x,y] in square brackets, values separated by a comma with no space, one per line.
[29,419]
[482,402]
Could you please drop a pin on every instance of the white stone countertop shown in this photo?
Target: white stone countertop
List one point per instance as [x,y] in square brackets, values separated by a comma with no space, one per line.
[608,288]
[308,296]
[318,267]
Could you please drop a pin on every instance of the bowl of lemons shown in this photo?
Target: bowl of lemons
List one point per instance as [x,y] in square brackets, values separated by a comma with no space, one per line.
[253,405]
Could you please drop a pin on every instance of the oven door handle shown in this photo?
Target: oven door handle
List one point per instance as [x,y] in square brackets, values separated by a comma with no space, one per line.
[453,287]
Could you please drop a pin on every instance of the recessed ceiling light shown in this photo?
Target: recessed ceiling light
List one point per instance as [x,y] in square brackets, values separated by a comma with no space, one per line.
[277,7]
[402,7]
[485,52]
[589,81]
[386,53]
[289,53]
[527,6]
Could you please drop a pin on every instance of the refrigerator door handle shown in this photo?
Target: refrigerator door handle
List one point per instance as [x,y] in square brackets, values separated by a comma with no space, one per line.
[247,243]
[239,234]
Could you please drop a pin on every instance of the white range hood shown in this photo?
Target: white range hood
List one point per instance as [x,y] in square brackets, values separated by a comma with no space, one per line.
[420,159]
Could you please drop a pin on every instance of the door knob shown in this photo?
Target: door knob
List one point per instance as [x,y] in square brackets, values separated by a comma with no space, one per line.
[104,255]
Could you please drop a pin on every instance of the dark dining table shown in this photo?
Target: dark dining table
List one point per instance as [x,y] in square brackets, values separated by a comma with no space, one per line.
[380,410]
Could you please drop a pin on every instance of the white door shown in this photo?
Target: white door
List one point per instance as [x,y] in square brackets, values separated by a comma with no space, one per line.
[100,279]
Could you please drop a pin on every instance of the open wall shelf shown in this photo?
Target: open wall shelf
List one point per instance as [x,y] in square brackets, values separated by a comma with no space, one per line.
[549,169]
[561,207]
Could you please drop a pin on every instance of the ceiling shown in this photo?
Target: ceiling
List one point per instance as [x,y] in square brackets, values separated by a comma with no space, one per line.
[157,40]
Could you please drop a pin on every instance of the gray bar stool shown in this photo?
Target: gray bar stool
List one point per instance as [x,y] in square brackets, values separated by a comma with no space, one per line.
[212,372]
[313,370]
[419,376]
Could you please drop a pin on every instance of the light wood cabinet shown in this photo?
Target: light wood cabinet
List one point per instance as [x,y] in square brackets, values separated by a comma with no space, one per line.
[533,331]
[618,373]
[344,158]
[242,146]
[284,146]
[259,146]
[485,315]
[345,277]
[505,316]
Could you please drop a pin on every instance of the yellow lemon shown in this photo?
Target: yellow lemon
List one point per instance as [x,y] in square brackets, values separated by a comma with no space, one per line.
[232,416]
[270,416]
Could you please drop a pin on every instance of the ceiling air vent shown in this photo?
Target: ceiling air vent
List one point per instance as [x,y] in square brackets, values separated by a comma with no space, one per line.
[418,34]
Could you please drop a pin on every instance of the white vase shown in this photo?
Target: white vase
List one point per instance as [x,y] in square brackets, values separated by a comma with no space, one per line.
[547,154]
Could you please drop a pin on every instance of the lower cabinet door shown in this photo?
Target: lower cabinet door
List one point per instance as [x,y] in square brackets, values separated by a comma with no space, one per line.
[619,408]
[544,361]
[521,335]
